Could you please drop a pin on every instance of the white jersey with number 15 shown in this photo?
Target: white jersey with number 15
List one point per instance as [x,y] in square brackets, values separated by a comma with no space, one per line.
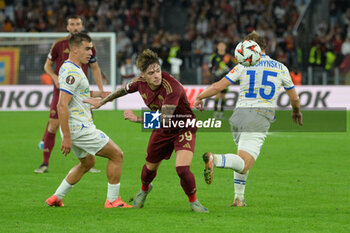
[260,84]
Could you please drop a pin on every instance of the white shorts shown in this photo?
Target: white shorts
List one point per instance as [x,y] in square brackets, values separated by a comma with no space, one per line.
[249,131]
[89,141]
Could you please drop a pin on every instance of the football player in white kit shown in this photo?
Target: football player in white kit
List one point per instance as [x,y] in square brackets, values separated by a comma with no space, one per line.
[250,121]
[78,130]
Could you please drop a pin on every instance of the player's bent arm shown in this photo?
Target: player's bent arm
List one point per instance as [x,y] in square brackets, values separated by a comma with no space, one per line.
[295,103]
[167,112]
[48,69]
[210,91]
[214,89]
[97,74]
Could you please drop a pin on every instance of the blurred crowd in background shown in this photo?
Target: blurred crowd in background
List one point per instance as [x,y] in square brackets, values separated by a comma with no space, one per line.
[196,29]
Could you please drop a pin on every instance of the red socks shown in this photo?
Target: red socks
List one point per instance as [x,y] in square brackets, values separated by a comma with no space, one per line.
[49,142]
[45,131]
[147,177]
[187,182]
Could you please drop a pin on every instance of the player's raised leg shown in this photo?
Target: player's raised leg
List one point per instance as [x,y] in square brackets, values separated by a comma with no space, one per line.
[114,169]
[149,172]
[187,180]
[240,163]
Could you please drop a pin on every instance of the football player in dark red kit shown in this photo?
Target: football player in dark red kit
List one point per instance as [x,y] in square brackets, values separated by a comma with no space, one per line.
[161,92]
[59,53]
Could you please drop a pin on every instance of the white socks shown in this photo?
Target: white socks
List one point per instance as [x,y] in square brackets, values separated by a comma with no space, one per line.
[113,192]
[240,180]
[63,189]
[232,161]
[236,163]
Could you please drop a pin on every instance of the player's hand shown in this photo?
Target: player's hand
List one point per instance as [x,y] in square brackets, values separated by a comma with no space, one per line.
[66,145]
[297,118]
[94,102]
[56,81]
[198,104]
[130,115]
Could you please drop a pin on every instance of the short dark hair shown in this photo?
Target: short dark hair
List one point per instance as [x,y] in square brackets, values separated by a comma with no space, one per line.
[254,36]
[78,38]
[146,58]
[74,17]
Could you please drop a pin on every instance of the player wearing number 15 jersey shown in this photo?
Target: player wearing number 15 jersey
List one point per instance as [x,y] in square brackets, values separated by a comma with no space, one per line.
[250,121]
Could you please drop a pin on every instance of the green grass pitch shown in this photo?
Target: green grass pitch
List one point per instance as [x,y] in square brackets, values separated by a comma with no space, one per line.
[300,183]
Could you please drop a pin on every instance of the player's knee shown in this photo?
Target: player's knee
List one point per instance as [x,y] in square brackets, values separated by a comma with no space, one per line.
[245,170]
[53,126]
[248,163]
[182,171]
[88,162]
[118,155]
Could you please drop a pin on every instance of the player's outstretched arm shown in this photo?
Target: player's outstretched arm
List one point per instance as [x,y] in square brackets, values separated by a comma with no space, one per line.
[295,102]
[99,93]
[211,91]
[96,102]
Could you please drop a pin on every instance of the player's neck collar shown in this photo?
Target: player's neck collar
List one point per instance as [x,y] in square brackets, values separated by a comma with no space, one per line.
[72,63]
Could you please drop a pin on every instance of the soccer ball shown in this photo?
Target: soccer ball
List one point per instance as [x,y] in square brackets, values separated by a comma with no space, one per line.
[248,53]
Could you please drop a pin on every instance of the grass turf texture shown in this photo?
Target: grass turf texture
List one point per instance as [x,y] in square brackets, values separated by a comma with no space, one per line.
[300,183]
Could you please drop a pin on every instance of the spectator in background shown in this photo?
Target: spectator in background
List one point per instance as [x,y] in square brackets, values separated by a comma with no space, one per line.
[330,57]
[296,76]
[46,79]
[220,64]
[337,45]
[175,67]
[315,55]
[138,24]
[128,71]
[8,25]
[345,48]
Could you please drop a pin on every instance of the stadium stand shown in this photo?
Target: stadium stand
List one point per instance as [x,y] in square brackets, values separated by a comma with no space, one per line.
[199,25]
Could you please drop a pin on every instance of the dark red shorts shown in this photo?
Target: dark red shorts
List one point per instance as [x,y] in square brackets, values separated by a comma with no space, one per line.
[54,102]
[161,145]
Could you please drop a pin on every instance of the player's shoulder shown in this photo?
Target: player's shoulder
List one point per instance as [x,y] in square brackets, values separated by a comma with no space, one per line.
[237,69]
[272,63]
[60,41]
[169,83]
[168,78]
[69,68]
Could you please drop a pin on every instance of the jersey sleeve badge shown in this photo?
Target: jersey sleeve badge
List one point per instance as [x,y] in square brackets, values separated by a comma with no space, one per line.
[70,80]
